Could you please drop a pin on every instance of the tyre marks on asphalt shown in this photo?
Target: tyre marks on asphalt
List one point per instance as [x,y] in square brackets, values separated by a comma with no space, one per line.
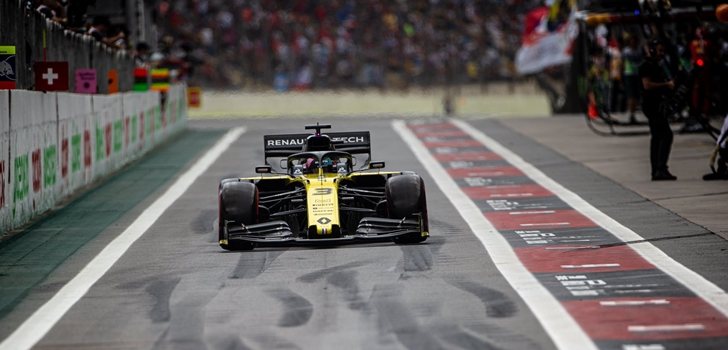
[416,258]
[497,304]
[252,264]
[297,309]
[203,222]
[317,275]
[468,340]
[619,298]
[347,283]
[161,291]
[186,325]
[395,317]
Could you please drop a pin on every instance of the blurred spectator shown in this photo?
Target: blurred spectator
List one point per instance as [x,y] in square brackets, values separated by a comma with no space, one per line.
[102,30]
[98,28]
[76,12]
[631,60]
[117,37]
[701,55]
[52,9]
[141,55]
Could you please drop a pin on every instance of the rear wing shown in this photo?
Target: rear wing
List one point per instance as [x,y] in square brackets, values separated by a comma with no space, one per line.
[354,142]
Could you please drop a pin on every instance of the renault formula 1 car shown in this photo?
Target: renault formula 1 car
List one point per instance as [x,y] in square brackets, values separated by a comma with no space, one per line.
[318,196]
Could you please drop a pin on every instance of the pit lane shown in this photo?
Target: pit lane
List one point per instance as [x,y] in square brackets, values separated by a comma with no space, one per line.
[175,288]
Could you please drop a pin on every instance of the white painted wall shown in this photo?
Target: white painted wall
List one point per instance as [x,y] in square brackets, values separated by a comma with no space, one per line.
[53,145]
[4,158]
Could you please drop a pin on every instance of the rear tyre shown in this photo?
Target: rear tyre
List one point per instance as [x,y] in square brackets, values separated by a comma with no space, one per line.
[238,203]
[405,197]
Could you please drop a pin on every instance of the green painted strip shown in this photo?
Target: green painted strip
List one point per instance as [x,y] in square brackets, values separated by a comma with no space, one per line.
[28,258]
[22,183]
[50,166]
[100,152]
[75,153]
[118,135]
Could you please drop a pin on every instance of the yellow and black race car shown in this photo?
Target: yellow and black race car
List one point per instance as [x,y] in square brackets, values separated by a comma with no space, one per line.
[319,196]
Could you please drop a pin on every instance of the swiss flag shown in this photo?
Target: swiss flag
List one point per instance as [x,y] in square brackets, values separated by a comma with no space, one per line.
[51,76]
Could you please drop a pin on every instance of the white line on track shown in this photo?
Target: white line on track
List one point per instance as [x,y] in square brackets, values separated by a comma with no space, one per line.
[532,212]
[667,328]
[42,320]
[705,289]
[546,224]
[559,325]
[612,303]
[589,266]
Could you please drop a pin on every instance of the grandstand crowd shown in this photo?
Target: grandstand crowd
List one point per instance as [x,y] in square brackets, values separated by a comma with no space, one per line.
[304,44]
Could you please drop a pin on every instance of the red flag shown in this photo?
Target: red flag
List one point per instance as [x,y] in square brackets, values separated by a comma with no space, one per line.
[51,76]
[533,20]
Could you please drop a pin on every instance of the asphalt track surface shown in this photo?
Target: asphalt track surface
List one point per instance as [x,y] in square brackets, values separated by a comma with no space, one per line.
[175,288]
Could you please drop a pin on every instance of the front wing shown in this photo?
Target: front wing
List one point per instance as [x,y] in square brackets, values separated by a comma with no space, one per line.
[370,229]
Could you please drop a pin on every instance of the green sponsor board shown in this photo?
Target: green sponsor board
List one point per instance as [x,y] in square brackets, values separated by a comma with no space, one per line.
[22,180]
[76,153]
[50,166]
[100,152]
[118,135]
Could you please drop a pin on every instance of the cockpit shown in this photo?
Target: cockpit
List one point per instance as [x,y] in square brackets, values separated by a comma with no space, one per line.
[330,162]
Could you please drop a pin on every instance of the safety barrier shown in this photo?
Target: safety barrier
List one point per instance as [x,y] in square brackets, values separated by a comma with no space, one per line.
[54,144]
[37,39]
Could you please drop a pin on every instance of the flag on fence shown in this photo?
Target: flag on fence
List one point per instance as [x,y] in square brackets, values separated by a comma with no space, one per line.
[51,76]
[113,80]
[160,79]
[7,68]
[86,81]
[194,97]
[141,79]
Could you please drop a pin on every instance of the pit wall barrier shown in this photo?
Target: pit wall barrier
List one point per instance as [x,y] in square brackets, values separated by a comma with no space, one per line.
[53,145]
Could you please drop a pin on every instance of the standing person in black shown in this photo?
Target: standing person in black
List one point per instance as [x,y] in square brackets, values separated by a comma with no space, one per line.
[658,84]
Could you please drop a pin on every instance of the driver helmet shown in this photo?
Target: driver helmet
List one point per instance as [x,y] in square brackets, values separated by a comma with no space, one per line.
[309,164]
[328,164]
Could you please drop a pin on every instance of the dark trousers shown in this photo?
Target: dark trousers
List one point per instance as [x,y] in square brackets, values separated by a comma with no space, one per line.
[723,161]
[660,136]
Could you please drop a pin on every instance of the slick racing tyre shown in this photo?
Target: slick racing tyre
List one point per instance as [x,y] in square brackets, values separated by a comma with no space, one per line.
[406,196]
[238,203]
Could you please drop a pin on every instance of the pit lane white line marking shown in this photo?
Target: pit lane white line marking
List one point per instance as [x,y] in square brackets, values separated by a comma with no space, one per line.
[546,224]
[643,347]
[559,325]
[588,266]
[42,320]
[705,289]
[667,328]
[532,212]
[507,195]
[571,248]
[610,303]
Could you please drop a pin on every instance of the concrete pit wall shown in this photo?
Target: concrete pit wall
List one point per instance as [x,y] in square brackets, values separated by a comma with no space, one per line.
[52,145]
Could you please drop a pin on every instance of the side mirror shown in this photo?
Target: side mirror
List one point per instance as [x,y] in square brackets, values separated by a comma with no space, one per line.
[376,165]
[284,163]
[353,161]
[263,169]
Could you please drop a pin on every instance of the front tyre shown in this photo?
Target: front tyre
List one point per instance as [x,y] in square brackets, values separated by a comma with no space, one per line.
[406,197]
[237,203]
